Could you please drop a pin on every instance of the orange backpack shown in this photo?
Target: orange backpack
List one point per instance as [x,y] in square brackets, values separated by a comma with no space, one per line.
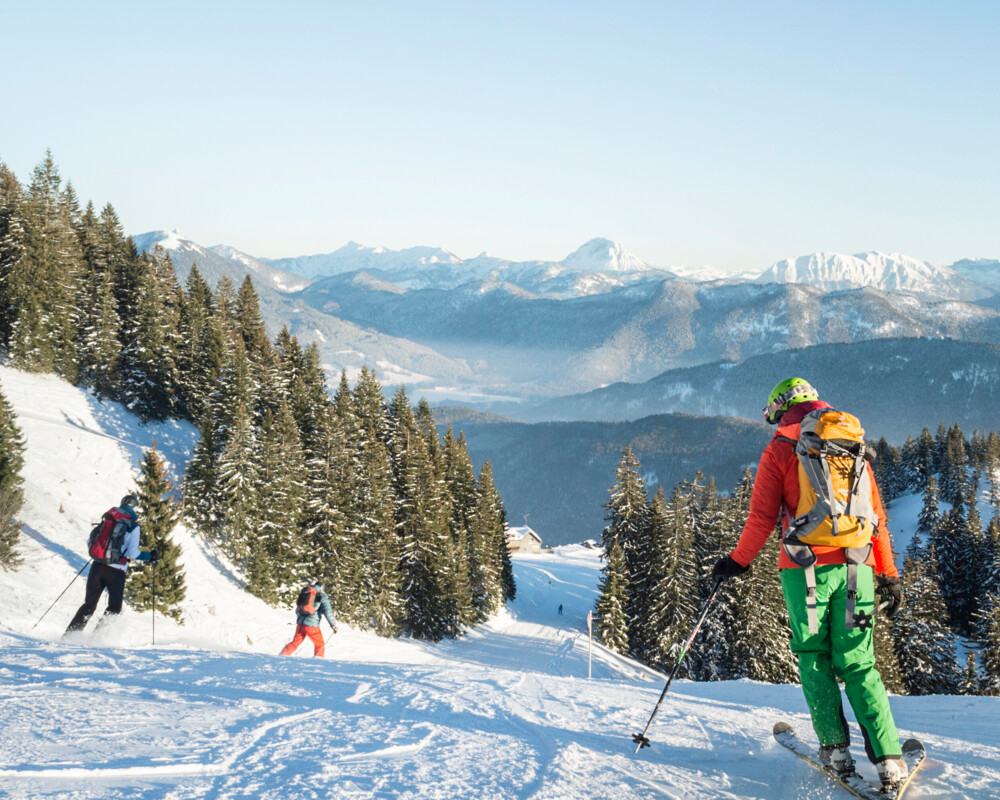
[305,606]
[835,502]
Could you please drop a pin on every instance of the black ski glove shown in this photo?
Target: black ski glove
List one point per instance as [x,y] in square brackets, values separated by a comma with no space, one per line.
[728,567]
[154,555]
[890,590]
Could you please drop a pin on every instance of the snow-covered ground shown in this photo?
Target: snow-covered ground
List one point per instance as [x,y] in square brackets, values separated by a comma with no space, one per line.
[508,711]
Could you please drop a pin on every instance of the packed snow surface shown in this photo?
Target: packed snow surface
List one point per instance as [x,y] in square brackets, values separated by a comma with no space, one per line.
[508,711]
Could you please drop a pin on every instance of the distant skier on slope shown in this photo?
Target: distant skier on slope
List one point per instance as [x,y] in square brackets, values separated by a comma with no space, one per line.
[112,544]
[312,605]
[832,550]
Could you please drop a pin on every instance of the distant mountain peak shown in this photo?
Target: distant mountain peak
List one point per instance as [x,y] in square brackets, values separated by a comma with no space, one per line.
[604,255]
[889,272]
[167,239]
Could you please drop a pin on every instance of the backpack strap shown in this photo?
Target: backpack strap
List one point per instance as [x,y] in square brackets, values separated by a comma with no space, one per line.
[803,555]
[811,616]
[855,556]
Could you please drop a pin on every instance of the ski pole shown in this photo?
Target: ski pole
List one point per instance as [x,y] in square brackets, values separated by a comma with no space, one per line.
[60,596]
[154,602]
[640,738]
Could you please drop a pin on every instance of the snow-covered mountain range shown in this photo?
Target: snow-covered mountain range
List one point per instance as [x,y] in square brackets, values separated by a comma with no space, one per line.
[489,330]
[890,272]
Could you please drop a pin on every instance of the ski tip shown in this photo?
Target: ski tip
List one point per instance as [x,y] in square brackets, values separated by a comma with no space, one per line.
[912,746]
[781,727]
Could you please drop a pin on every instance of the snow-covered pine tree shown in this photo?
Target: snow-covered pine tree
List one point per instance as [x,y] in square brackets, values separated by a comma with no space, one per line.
[239,486]
[759,632]
[329,468]
[628,521]
[201,348]
[422,521]
[885,655]
[460,483]
[889,470]
[99,344]
[714,653]
[383,609]
[924,645]
[148,361]
[12,243]
[930,513]
[954,476]
[491,526]
[159,516]
[970,680]
[43,330]
[249,324]
[11,463]
[958,574]
[988,640]
[611,625]
[277,567]
[673,600]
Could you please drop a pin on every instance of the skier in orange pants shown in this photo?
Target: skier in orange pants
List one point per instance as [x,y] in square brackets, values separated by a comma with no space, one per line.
[310,608]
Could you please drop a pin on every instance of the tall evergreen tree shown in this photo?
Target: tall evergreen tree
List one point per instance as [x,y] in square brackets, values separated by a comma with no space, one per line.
[930,513]
[491,522]
[989,644]
[714,653]
[160,515]
[11,463]
[43,331]
[422,520]
[148,357]
[611,624]
[924,645]
[277,561]
[629,524]
[673,581]
[13,286]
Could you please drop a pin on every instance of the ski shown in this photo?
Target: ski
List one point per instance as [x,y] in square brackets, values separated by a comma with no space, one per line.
[913,754]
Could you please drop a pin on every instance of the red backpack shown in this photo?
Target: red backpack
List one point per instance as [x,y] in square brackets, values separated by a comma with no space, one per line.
[107,539]
[305,606]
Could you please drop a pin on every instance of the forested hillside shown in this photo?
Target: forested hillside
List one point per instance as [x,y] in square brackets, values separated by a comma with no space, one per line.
[946,640]
[294,484]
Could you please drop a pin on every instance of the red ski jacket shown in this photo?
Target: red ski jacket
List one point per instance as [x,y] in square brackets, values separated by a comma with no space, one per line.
[776,487]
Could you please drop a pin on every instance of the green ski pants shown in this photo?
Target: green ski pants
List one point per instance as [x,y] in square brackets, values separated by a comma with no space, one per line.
[838,652]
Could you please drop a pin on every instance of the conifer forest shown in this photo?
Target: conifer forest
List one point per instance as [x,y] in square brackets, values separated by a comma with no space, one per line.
[945,640]
[292,484]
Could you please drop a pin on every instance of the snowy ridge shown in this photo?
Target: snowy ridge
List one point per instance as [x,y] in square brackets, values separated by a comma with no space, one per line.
[890,272]
[506,712]
[218,259]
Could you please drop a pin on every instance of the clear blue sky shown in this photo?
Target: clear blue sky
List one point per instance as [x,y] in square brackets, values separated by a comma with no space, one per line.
[723,133]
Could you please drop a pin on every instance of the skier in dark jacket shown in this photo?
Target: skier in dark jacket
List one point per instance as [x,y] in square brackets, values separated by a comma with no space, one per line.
[827,648]
[112,576]
[313,605]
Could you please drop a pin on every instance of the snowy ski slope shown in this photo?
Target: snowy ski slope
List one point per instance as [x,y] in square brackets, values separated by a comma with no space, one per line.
[506,712]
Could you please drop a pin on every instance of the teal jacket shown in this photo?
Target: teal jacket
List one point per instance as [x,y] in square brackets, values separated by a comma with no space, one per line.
[323,609]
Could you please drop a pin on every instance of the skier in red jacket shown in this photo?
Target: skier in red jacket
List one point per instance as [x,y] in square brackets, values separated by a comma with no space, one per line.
[828,647]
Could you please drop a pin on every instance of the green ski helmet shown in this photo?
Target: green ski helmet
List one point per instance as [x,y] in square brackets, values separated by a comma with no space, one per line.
[786,394]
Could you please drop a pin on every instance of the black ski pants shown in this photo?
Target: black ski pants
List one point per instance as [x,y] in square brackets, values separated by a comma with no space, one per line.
[101,577]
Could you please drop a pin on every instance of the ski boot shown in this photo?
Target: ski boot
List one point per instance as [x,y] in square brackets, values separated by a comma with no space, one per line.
[837,758]
[892,770]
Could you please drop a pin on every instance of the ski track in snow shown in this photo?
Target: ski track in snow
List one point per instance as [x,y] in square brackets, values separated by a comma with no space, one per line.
[506,712]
